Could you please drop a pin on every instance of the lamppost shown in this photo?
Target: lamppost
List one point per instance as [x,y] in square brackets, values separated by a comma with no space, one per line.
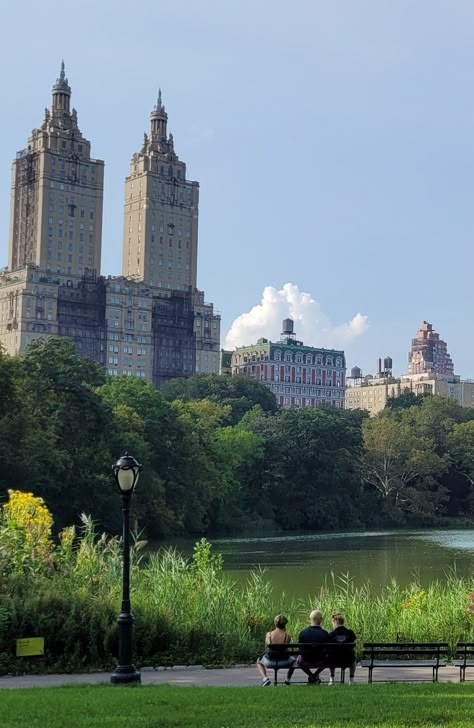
[126,471]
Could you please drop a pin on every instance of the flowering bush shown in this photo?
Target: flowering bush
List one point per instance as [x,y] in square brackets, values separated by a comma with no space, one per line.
[25,534]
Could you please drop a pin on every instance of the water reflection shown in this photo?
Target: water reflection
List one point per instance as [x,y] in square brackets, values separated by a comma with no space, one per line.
[300,563]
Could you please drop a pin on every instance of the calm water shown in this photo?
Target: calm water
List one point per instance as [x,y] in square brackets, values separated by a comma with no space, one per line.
[298,564]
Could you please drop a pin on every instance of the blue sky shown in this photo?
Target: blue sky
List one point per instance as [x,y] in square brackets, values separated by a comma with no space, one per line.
[333,142]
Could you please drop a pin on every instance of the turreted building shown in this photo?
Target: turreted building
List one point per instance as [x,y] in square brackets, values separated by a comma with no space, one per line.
[56,196]
[161,208]
[151,322]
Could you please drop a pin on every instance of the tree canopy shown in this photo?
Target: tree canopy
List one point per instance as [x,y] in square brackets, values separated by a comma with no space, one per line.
[219,456]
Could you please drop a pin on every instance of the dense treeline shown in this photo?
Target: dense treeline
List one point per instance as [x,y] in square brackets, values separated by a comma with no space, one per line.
[218,454]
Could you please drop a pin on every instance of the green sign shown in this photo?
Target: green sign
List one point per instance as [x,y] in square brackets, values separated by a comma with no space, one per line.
[30,646]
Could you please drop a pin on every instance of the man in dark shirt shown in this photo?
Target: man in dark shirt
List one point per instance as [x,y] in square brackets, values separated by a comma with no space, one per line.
[344,657]
[312,655]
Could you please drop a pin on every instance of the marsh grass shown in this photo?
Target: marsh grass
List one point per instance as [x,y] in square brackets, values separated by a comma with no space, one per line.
[188,611]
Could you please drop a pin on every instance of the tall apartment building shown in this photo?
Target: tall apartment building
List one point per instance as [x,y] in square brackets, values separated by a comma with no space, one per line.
[298,375]
[56,196]
[429,354]
[135,324]
[430,371]
[160,237]
[160,234]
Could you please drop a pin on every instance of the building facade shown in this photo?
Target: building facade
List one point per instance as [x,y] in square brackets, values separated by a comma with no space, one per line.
[138,324]
[372,394]
[430,371]
[161,208]
[207,332]
[298,375]
[56,195]
[429,354]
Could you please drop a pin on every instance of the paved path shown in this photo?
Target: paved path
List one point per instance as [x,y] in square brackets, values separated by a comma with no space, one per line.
[226,677]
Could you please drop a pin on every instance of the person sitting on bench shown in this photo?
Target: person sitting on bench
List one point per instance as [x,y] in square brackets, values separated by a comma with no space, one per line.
[312,655]
[345,657]
[278,636]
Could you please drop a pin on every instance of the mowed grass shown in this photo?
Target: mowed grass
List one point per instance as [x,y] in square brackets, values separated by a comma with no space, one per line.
[390,706]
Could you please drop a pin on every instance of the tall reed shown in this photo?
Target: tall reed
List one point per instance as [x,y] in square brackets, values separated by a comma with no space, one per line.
[189,611]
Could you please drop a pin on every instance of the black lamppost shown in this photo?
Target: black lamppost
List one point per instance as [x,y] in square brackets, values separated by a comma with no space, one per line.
[126,472]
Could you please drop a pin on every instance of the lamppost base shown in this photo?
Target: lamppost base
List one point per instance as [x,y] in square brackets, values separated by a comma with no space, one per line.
[127,675]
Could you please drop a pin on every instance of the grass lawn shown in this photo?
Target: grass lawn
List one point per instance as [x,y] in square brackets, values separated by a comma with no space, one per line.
[390,706]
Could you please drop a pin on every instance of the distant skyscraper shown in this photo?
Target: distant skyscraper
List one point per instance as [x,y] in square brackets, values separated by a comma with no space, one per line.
[429,354]
[56,197]
[152,322]
[160,213]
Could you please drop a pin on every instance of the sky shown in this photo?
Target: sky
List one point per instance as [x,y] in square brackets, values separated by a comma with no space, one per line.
[333,143]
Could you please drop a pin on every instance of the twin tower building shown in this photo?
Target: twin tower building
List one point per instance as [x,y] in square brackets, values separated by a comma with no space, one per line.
[152,321]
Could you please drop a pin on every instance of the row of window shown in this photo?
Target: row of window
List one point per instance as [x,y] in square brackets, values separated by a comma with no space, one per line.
[298,402]
[139,338]
[297,357]
[337,393]
[115,349]
[125,373]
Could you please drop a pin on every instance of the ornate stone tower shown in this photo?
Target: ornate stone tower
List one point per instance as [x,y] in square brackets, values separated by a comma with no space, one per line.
[160,213]
[56,197]
[429,354]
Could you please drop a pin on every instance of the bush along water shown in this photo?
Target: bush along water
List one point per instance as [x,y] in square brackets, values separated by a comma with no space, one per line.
[186,610]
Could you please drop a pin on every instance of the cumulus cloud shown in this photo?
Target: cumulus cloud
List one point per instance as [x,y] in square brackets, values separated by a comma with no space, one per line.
[312,325]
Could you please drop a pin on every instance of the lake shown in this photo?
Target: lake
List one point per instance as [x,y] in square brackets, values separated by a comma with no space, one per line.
[298,564]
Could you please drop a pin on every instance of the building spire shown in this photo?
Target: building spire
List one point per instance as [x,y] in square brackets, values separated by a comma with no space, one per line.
[159,119]
[61,92]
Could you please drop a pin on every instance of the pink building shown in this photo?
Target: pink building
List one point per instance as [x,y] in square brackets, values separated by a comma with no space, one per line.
[298,375]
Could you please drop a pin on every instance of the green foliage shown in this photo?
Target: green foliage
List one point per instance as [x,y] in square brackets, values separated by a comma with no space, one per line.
[190,611]
[219,456]
[239,393]
[407,399]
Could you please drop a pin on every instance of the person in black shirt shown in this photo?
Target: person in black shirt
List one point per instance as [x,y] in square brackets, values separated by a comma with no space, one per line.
[345,656]
[313,655]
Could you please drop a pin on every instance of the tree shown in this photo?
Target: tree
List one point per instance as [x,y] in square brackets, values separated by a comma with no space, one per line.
[461,448]
[406,399]
[146,425]
[309,476]
[240,393]
[64,443]
[399,463]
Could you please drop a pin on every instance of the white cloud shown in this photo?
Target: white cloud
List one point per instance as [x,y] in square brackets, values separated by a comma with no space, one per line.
[312,325]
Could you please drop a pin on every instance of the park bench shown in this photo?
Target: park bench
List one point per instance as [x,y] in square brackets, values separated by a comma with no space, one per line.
[464,658]
[392,655]
[332,653]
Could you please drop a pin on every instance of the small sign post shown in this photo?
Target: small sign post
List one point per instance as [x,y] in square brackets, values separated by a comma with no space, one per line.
[29,646]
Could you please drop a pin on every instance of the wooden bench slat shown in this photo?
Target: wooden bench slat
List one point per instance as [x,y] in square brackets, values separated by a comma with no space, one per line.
[403,663]
[407,644]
